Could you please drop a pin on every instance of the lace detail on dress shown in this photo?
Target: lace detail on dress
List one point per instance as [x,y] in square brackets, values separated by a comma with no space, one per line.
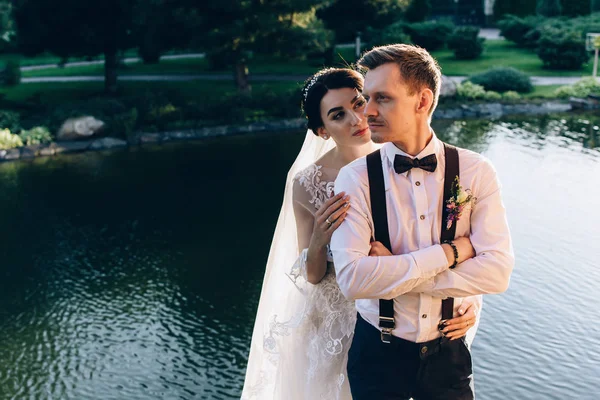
[330,326]
[330,317]
[310,179]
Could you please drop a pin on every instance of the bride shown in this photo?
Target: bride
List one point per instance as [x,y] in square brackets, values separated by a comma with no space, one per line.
[304,325]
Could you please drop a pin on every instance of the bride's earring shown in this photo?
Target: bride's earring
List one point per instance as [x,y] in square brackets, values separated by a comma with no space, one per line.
[325,137]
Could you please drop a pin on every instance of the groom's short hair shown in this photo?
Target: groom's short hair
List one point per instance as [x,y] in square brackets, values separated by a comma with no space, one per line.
[417,67]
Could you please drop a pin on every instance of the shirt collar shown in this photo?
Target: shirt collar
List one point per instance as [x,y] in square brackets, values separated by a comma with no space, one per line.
[434,146]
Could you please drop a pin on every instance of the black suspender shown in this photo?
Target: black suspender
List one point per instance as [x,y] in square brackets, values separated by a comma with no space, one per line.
[379,213]
[380,222]
[452,172]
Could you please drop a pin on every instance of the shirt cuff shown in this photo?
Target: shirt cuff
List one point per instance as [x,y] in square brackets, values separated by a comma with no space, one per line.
[431,261]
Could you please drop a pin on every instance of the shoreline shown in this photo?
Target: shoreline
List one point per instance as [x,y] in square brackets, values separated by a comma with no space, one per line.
[480,110]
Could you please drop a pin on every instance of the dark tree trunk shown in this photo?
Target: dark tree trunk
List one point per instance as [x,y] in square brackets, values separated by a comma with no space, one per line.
[241,77]
[110,70]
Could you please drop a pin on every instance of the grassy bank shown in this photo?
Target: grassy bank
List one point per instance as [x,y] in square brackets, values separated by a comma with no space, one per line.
[199,90]
[497,53]
[501,53]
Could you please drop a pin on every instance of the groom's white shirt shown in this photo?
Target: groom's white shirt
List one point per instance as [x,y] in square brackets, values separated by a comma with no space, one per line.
[417,276]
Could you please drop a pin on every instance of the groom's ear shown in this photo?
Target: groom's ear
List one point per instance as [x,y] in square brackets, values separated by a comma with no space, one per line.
[425,101]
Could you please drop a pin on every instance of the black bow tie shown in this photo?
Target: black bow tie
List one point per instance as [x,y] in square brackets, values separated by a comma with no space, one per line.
[403,164]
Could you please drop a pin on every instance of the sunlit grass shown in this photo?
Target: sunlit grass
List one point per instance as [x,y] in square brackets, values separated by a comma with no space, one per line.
[501,53]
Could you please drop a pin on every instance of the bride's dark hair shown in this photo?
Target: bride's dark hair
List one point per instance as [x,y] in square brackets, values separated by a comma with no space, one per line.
[319,84]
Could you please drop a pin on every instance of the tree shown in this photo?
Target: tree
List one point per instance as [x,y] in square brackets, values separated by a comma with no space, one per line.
[574,8]
[158,26]
[7,26]
[347,17]
[521,8]
[70,28]
[233,30]
[418,10]
[549,8]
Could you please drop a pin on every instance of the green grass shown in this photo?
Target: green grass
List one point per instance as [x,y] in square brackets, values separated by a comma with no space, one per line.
[546,91]
[501,53]
[257,65]
[182,66]
[43,59]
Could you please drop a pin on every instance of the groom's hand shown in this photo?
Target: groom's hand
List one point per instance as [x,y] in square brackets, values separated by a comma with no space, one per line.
[457,327]
[379,250]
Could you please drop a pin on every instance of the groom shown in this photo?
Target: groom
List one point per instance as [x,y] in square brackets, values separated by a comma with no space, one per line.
[439,211]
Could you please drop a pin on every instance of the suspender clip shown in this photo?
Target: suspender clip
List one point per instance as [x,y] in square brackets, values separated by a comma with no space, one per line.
[386,335]
[387,325]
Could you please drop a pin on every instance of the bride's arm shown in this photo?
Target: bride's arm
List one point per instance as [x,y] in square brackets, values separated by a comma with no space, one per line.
[314,232]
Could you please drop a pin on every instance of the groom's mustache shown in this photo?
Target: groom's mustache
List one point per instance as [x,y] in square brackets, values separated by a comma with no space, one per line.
[374,121]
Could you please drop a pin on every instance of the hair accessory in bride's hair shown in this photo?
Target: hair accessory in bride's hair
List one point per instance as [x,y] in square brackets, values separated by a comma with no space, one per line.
[310,84]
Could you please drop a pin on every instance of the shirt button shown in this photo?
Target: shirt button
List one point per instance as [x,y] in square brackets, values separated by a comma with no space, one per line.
[424,316]
[418,183]
[422,217]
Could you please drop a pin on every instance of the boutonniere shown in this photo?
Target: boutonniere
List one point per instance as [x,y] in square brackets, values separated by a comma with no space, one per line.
[458,201]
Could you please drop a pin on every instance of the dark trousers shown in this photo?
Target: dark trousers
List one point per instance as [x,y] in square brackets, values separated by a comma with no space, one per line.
[437,370]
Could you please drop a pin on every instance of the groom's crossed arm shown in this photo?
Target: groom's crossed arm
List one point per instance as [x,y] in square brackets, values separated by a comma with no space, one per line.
[362,277]
[425,270]
[489,271]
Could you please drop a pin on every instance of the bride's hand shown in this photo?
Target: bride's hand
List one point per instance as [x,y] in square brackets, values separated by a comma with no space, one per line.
[458,327]
[328,218]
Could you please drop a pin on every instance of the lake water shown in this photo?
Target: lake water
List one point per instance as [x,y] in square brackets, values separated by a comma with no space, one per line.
[135,274]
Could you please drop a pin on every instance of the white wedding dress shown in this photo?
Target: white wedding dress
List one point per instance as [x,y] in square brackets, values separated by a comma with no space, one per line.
[320,333]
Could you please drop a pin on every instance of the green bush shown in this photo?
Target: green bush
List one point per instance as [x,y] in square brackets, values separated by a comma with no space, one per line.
[466,43]
[573,8]
[9,140]
[123,125]
[502,79]
[430,35]
[491,95]
[562,49]
[11,74]
[581,88]
[549,8]
[163,115]
[516,29]
[36,135]
[417,10]
[10,120]
[394,33]
[469,90]
[283,105]
[511,95]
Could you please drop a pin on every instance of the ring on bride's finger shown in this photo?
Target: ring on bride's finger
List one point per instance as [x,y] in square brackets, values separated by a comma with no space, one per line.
[328,221]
